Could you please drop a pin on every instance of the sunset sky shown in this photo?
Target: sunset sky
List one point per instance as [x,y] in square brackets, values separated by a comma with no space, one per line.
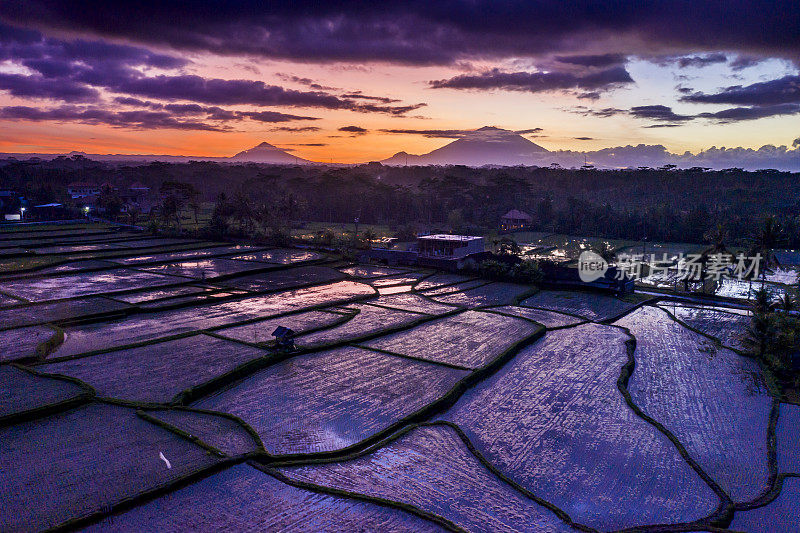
[363,80]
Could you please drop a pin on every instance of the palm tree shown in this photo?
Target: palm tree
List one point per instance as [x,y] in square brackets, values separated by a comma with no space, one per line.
[769,236]
[169,208]
[242,211]
[787,302]
[717,238]
[761,303]
[761,332]
[194,205]
[133,213]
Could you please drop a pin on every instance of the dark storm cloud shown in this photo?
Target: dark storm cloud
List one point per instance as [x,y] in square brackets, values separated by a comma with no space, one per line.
[71,71]
[536,81]
[590,95]
[783,90]
[665,117]
[595,60]
[697,61]
[738,114]
[423,32]
[381,99]
[93,115]
[50,56]
[702,61]
[658,112]
[272,116]
[392,110]
[40,87]
[307,82]
[239,92]
[445,134]
[603,113]
[298,129]
[355,130]
[214,112]
[223,92]
[127,100]
[450,134]
[743,61]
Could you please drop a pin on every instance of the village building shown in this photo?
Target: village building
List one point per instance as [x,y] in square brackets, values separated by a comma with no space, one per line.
[446,246]
[10,204]
[81,189]
[51,211]
[515,220]
[443,251]
[137,196]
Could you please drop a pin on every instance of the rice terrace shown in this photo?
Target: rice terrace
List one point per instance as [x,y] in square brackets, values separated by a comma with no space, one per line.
[143,388]
[400,266]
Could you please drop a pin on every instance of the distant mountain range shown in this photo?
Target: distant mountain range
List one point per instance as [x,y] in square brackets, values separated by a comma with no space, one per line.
[498,147]
[484,146]
[262,153]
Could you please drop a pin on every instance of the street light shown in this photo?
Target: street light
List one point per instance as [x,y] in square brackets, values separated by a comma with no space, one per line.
[86,210]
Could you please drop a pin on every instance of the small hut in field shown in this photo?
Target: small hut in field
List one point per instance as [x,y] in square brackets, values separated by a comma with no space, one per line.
[515,220]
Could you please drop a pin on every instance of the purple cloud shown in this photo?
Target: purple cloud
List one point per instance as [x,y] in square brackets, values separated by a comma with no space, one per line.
[783,90]
[40,87]
[537,81]
[695,60]
[424,32]
[738,114]
[298,129]
[593,60]
[658,112]
[272,116]
[359,96]
[662,113]
[72,71]
[93,115]
[446,134]
[355,130]
[701,61]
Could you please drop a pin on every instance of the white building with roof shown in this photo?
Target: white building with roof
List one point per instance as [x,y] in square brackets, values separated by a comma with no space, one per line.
[446,246]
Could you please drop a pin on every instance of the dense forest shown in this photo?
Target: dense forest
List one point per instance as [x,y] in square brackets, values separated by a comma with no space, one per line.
[660,204]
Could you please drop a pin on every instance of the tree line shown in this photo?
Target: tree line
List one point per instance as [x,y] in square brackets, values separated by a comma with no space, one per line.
[664,204]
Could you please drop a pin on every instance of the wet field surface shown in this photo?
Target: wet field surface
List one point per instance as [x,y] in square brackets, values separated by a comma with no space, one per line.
[141,389]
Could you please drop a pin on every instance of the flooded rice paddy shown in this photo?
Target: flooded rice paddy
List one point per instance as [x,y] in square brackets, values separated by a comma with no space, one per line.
[431,468]
[142,390]
[243,498]
[712,399]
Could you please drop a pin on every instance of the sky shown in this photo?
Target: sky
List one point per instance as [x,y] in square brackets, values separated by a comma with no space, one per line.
[359,81]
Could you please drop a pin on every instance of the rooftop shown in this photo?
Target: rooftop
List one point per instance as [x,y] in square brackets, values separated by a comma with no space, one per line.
[448,237]
[516,214]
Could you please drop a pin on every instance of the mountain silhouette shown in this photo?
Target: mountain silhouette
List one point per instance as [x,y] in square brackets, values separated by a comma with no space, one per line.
[484,146]
[266,153]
